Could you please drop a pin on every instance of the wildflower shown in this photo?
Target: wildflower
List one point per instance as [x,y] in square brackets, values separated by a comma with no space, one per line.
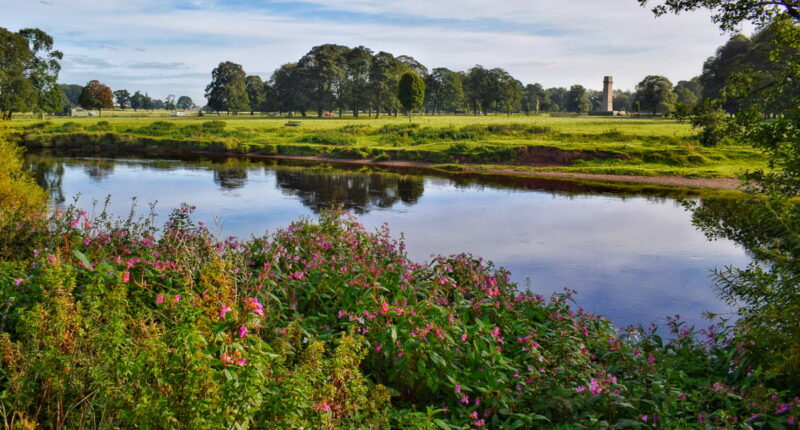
[322,406]
[159,298]
[224,311]
[477,401]
[790,421]
[650,358]
[378,347]
[464,337]
[242,331]
[17,281]
[474,415]
[479,423]
[126,277]
[464,400]
[458,388]
[645,418]
[177,298]
[384,308]
[580,389]
[225,358]
[682,397]
[241,362]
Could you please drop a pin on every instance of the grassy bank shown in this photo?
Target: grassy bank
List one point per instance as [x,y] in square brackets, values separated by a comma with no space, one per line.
[624,146]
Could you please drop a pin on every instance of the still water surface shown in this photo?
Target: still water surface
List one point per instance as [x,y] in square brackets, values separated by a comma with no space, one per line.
[633,259]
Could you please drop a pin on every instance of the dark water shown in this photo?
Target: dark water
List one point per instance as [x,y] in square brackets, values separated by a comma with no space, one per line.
[634,259]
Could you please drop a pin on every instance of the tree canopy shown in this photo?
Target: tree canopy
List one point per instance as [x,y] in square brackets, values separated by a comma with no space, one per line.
[227,90]
[29,68]
[411,91]
[96,96]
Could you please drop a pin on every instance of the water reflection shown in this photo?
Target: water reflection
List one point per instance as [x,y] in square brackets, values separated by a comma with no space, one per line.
[634,258]
[320,189]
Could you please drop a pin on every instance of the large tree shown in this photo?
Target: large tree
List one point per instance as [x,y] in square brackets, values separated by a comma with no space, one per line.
[285,90]
[256,93]
[533,98]
[411,92]
[96,96]
[29,69]
[654,94]
[323,72]
[227,90]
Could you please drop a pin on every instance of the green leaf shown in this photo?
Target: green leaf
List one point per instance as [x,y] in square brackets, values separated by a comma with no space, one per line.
[82,258]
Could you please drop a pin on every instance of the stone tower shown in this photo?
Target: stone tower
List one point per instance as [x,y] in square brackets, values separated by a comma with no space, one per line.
[608,94]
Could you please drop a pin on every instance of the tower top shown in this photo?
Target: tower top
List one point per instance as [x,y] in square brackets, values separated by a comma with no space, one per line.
[608,79]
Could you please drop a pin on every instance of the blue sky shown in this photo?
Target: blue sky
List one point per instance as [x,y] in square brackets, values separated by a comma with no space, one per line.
[170,47]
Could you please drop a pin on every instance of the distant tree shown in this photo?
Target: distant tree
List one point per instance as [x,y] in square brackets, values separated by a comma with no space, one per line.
[534,98]
[96,96]
[285,90]
[123,98]
[158,104]
[169,102]
[323,70]
[577,99]
[72,92]
[357,67]
[685,96]
[256,93]
[137,101]
[443,91]
[227,90]
[654,93]
[694,85]
[414,65]
[384,74]
[411,92]
[558,97]
[623,101]
[184,102]
[147,102]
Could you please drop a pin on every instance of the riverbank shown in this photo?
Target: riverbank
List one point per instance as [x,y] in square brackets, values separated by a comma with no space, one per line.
[651,151]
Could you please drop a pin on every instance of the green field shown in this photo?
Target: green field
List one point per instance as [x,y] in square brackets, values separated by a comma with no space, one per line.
[624,146]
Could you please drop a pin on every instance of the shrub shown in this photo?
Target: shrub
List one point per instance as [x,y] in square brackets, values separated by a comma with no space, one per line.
[329,138]
[69,127]
[214,127]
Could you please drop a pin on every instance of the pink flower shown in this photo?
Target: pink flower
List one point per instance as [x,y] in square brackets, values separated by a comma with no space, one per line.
[458,388]
[17,281]
[479,423]
[241,362]
[682,397]
[464,337]
[384,308]
[177,298]
[322,406]
[159,298]
[645,418]
[242,331]
[580,389]
[126,277]
[378,347]
[465,400]
[225,358]
[224,311]
[650,358]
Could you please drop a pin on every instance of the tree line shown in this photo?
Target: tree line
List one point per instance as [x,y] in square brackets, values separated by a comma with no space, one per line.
[334,78]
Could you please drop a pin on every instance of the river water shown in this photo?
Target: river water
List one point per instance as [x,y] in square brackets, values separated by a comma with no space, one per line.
[635,259]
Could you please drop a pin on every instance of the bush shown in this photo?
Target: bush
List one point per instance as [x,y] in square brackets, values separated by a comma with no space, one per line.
[69,127]
[328,138]
[214,127]
[157,128]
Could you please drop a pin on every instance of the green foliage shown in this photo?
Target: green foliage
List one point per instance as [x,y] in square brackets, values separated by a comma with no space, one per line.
[21,203]
[326,325]
[329,138]
[96,96]
[228,89]
[411,91]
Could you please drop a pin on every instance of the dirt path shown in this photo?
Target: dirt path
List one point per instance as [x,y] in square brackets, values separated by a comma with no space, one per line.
[674,181]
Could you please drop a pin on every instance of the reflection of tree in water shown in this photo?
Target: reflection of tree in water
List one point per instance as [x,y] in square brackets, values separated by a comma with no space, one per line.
[358,192]
[98,169]
[48,172]
[230,175]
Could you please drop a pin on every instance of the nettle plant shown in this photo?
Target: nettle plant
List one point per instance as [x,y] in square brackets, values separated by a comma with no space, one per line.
[117,323]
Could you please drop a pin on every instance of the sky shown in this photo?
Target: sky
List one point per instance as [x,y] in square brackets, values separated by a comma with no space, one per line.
[170,47]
